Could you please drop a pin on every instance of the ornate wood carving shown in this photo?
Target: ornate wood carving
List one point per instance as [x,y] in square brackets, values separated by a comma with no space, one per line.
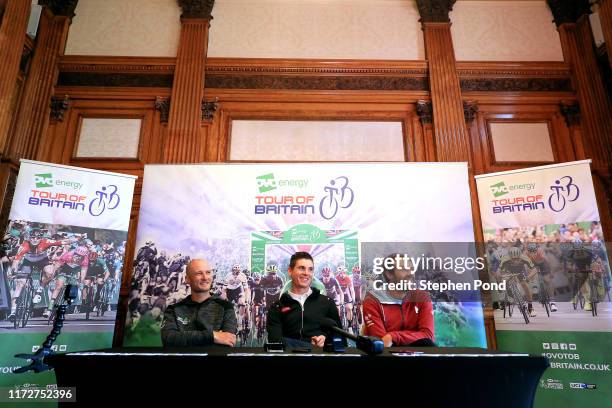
[470,108]
[162,105]
[318,83]
[59,106]
[197,8]
[314,83]
[60,7]
[517,84]
[571,113]
[209,108]
[523,69]
[425,112]
[435,11]
[568,11]
[119,80]
[122,65]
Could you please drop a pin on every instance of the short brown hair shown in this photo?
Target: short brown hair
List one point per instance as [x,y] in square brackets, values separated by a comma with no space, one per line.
[297,256]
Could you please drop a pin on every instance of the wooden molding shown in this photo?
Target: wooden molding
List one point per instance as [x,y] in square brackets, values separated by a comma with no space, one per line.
[105,64]
[508,69]
[313,74]
[315,67]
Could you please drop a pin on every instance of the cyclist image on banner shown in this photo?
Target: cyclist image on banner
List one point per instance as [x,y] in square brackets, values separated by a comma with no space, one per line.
[333,289]
[32,258]
[272,284]
[71,269]
[359,288]
[571,282]
[38,260]
[236,291]
[546,291]
[348,293]
[258,307]
[517,269]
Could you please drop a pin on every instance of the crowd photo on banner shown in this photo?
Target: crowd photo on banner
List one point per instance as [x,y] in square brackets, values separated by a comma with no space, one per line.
[159,281]
[248,245]
[38,261]
[67,228]
[544,238]
[564,268]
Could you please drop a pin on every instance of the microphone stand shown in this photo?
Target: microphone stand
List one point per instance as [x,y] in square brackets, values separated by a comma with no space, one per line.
[38,359]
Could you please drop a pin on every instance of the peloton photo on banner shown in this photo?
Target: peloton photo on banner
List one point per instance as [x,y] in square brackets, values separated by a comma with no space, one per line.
[67,226]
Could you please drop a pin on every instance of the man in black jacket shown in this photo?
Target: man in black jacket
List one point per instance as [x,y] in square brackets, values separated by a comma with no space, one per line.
[295,318]
[200,319]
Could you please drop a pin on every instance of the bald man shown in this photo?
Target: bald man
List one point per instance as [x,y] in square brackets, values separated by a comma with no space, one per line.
[200,319]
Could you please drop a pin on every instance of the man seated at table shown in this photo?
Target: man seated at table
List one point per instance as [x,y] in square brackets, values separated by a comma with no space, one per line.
[295,318]
[399,317]
[200,319]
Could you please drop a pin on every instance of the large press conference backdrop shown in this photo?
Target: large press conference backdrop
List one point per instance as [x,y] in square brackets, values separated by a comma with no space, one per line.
[256,215]
[554,208]
[67,208]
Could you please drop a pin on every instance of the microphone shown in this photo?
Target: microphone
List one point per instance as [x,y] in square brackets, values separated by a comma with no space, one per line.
[367,344]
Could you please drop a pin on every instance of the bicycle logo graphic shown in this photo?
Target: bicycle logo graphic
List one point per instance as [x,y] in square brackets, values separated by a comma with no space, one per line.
[104,200]
[562,193]
[340,195]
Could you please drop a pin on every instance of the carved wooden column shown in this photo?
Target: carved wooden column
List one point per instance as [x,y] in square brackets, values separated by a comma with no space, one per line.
[183,141]
[450,132]
[12,36]
[33,116]
[605,15]
[572,19]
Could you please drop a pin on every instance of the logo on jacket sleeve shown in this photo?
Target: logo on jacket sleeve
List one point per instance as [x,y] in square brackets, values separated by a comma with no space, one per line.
[183,320]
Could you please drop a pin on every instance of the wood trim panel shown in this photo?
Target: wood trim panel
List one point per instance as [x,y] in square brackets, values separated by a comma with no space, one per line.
[502,118]
[276,66]
[483,146]
[106,65]
[108,110]
[508,69]
[219,139]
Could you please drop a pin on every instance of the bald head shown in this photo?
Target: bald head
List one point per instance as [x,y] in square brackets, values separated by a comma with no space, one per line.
[196,264]
[199,275]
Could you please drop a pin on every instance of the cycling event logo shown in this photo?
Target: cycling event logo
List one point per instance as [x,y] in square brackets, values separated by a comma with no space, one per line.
[43,180]
[339,195]
[266,183]
[563,191]
[106,199]
[46,180]
[499,189]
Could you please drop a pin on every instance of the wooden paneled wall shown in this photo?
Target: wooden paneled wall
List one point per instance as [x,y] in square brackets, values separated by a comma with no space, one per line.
[314,90]
[445,107]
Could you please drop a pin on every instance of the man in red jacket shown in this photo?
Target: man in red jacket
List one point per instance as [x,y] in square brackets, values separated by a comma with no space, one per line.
[399,317]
